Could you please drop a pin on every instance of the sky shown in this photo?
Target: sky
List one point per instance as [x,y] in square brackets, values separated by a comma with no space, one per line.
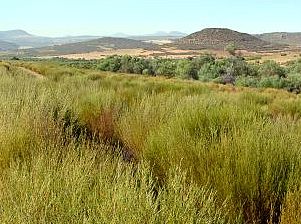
[105,17]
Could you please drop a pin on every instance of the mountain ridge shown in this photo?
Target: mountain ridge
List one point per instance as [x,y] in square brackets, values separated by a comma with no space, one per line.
[208,38]
[100,45]
[24,39]
[290,38]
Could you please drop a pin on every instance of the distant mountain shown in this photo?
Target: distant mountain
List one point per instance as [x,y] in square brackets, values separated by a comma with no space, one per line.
[177,33]
[210,38]
[7,46]
[120,35]
[101,44]
[293,39]
[26,40]
[14,34]
[160,35]
[150,38]
[219,38]
[72,39]
[168,34]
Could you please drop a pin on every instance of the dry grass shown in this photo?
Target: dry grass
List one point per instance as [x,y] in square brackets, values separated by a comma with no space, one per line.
[205,153]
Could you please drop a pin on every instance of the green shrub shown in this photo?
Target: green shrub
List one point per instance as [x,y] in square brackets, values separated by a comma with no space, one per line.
[237,66]
[186,70]
[231,48]
[295,66]
[111,63]
[246,81]
[271,82]
[271,68]
[198,62]
[293,83]
[164,67]
[208,72]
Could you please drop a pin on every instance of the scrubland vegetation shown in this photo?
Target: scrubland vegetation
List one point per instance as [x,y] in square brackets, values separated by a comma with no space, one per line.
[233,70]
[85,146]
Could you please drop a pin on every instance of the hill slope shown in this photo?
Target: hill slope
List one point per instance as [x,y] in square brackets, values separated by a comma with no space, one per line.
[101,44]
[24,39]
[219,38]
[7,46]
[14,34]
[293,39]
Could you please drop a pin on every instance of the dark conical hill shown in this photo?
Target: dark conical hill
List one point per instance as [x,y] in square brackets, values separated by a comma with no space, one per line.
[219,38]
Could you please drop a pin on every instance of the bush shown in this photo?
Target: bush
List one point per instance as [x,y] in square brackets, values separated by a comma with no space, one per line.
[164,67]
[246,81]
[271,82]
[186,70]
[293,83]
[271,68]
[226,79]
[295,67]
[15,58]
[232,70]
[227,69]
[231,48]
[126,64]
[208,72]
[112,64]
[202,60]
[237,66]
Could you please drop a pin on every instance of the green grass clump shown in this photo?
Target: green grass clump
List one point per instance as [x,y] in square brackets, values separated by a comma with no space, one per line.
[87,186]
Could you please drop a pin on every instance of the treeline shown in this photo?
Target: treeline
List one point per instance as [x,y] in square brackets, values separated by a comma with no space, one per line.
[233,70]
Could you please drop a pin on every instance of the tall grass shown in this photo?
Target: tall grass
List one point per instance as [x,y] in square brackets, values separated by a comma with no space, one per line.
[82,146]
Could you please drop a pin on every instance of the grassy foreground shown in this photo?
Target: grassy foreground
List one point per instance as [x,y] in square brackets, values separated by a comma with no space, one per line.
[82,146]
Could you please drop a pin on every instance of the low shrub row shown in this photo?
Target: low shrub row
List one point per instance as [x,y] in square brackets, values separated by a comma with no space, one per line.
[233,70]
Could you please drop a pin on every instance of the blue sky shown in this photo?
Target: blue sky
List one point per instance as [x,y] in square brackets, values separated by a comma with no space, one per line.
[104,17]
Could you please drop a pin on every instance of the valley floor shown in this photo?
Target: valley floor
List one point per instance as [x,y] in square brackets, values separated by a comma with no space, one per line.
[278,56]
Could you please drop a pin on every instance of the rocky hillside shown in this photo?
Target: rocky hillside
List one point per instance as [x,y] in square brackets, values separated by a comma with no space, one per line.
[219,38]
